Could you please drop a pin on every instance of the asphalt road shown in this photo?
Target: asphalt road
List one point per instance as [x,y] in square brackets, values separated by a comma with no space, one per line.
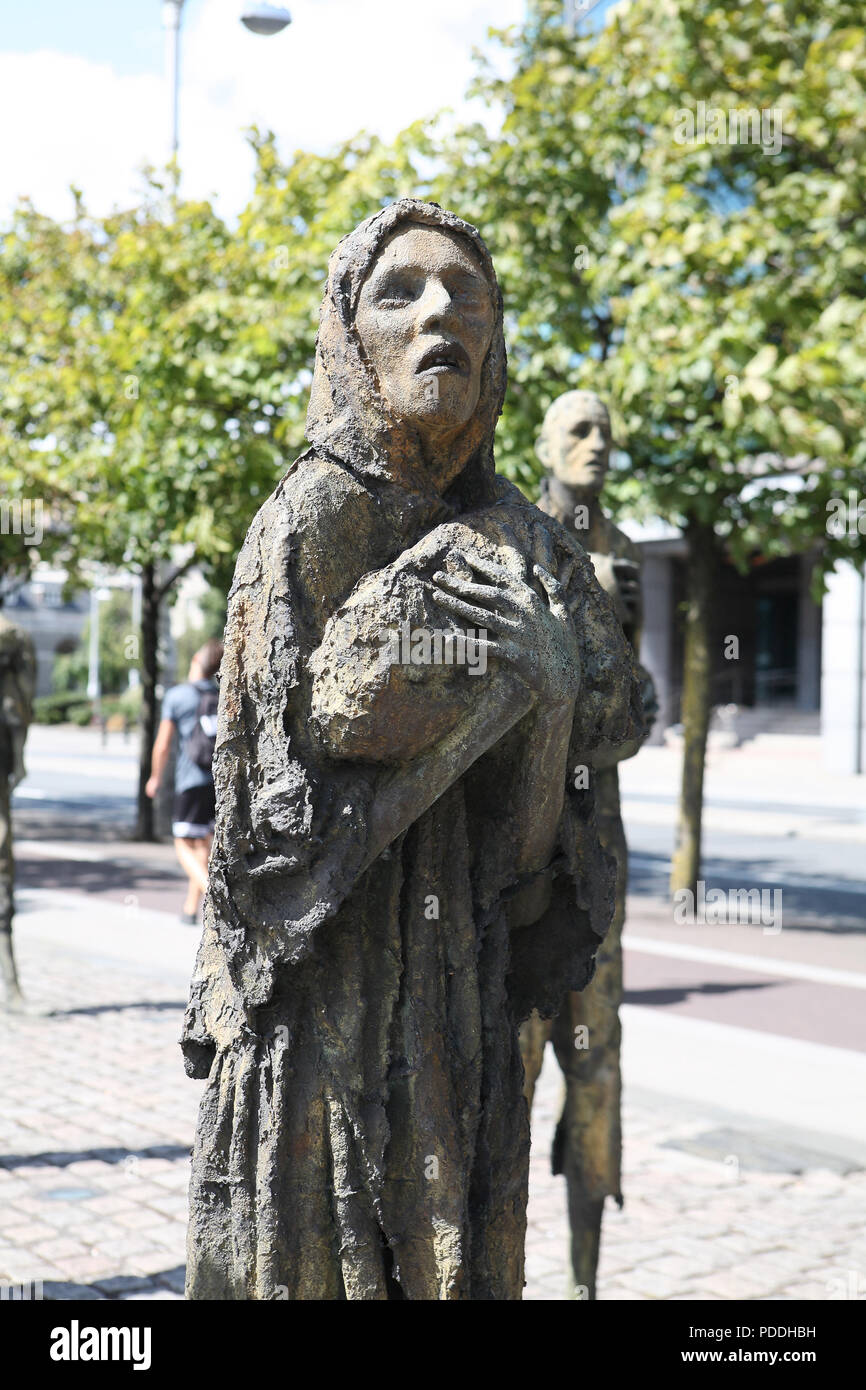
[74,812]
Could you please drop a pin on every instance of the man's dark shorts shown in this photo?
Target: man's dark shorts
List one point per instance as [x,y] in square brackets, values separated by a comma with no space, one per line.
[193,813]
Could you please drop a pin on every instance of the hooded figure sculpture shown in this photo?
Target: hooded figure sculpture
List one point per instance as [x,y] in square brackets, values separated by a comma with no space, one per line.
[401,867]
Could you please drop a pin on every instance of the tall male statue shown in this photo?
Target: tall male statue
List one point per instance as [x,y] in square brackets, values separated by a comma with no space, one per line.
[17,689]
[575,445]
[401,870]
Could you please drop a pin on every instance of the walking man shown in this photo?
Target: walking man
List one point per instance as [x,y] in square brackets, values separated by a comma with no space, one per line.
[190,710]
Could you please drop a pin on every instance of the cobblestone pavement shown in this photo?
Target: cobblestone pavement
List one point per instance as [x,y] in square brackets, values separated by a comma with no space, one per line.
[96,1120]
[712,1210]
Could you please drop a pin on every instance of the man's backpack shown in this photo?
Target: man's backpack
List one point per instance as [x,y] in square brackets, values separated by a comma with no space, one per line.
[202,741]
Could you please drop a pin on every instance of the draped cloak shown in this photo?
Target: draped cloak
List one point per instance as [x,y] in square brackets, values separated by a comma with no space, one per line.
[355,1000]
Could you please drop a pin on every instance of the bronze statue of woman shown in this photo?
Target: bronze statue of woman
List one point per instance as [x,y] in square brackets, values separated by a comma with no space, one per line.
[402,868]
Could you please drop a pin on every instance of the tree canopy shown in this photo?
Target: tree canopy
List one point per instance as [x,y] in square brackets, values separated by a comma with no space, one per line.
[675,204]
[709,286]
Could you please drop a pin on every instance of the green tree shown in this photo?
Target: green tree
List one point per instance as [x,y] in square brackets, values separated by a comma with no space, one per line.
[44,282]
[157,367]
[139,376]
[713,292]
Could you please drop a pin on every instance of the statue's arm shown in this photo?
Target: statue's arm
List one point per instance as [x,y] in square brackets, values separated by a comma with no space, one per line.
[431,723]
[405,793]
[370,702]
[619,575]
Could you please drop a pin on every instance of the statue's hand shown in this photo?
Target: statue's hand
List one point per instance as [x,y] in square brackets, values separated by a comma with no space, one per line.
[627,576]
[534,633]
[649,697]
[620,578]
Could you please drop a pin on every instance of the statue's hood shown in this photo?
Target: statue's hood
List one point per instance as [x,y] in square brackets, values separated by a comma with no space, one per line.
[348,418]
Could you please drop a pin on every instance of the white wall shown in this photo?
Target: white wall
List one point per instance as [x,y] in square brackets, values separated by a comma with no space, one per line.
[843,682]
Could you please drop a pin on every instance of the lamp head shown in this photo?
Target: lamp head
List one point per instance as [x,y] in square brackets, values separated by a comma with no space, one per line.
[265,19]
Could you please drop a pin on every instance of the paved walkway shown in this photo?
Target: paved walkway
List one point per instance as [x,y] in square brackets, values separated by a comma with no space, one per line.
[96,1120]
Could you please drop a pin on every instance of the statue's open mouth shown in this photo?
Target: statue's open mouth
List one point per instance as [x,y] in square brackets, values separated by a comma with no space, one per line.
[444,357]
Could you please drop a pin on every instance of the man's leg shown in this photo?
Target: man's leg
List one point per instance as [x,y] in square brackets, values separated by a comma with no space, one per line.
[195,868]
[202,852]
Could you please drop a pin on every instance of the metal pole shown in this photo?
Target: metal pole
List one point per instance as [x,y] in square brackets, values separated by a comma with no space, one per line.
[171,13]
[94,685]
[93,658]
[861,673]
[134,672]
[573,11]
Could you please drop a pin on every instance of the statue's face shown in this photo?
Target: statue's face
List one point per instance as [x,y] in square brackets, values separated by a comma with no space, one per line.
[425,319]
[578,446]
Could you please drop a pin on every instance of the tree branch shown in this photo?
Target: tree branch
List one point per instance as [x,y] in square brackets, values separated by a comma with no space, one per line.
[163,589]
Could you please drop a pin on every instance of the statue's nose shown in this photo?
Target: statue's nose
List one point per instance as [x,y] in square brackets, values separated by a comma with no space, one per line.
[436,305]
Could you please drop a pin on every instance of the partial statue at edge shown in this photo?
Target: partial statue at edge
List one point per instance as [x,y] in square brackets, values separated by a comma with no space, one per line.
[17,689]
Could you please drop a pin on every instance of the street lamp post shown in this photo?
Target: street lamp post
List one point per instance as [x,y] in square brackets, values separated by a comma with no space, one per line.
[573,11]
[94,685]
[134,672]
[171,12]
[259,19]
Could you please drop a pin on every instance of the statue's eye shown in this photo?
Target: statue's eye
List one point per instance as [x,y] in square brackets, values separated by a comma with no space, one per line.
[469,290]
[396,290]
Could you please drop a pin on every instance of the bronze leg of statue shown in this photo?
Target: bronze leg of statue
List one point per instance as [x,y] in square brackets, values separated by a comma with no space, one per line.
[534,1033]
[12,996]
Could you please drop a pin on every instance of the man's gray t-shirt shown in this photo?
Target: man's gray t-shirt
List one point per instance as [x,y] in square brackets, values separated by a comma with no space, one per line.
[180,705]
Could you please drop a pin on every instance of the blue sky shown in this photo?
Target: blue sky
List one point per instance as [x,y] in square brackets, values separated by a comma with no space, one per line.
[82,97]
[125,33]
[83,101]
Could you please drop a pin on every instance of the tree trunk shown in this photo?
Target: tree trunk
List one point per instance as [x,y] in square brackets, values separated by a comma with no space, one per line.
[150,602]
[696,701]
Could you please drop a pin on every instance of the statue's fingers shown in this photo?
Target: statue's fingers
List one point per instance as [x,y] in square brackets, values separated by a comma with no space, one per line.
[504,648]
[497,573]
[552,586]
[567,572]
[542,547]
[476,645]
[479,617]
[467,589]
[555,593]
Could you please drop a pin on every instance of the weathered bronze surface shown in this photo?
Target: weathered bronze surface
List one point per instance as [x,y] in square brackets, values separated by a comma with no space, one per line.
[575,446]
[17,689]
[401,868]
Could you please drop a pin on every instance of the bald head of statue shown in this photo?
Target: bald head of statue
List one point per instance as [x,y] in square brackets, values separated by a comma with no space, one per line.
[574,444]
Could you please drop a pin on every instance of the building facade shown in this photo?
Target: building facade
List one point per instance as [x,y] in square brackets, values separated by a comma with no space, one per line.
[792,654]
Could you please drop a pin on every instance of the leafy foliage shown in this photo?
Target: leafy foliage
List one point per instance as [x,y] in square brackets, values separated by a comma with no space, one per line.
[712,292]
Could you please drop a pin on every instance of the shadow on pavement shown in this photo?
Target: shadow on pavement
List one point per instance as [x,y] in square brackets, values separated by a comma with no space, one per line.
[161,1006]
[116,1287]
[677,995]
[819,906]
[63,1157]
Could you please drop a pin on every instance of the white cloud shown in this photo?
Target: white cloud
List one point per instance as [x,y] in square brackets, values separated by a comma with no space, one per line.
[68,120]
[342,65]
